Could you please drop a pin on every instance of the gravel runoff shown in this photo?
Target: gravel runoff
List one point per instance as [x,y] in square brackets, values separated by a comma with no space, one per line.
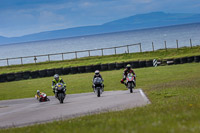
[28,111]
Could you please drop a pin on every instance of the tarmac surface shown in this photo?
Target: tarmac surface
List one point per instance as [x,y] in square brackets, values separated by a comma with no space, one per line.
[28,111]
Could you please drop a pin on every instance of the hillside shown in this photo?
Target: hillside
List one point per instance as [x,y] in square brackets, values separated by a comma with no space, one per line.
[140,21]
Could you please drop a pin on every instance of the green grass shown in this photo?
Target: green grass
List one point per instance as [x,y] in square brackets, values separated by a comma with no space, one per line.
[173,92]
[159,54]
[80,83]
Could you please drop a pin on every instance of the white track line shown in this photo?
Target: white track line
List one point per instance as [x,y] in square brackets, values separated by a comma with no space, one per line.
[144,96]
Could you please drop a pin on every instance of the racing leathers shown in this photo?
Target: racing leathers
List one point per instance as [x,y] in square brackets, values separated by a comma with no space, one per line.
[99,75]
[126,71]
[95,76]
[38,94]
[54,82]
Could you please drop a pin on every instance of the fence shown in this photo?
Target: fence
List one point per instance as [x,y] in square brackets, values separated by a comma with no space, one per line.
[48,57]
[177,45]
[84,53]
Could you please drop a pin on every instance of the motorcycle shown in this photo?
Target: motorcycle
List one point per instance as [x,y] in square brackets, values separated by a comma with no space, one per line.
[130,82]
[42,97]
[60,90]
[98,86]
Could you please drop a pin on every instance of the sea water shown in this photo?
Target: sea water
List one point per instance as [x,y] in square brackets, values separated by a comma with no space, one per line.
[182,33]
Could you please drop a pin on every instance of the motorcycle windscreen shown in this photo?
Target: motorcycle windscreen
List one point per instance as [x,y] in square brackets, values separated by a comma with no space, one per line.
[97,81]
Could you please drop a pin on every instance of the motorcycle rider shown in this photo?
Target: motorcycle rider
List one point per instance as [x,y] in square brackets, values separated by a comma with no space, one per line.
[38,93]
[56,80]
[97,74]
[126,71]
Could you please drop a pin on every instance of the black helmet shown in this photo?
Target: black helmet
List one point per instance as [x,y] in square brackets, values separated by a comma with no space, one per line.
[56,77]
[97,72]
[128,66]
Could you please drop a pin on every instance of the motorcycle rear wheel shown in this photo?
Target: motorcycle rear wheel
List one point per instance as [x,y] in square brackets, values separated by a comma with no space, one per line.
[48,99]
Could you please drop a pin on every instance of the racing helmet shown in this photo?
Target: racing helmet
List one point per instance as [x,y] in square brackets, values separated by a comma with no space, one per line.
[97,72]
[38,91]
[56,77]
[128,66]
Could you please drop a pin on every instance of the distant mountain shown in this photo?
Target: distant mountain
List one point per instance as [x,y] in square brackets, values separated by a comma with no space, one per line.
[154,19]
[140,21]
[1,37]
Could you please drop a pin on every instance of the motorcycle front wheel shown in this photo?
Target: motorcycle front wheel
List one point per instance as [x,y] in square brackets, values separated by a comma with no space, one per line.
[130,87]
[131,90]
[40,99]
[61,97]
[98,93]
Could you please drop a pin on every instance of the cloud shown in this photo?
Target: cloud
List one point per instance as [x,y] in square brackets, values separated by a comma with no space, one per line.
[86,4]
[21,17]
[139,1]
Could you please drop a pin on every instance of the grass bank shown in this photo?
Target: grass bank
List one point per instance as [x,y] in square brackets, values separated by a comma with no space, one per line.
[159,54]
[173,91]
[80,83]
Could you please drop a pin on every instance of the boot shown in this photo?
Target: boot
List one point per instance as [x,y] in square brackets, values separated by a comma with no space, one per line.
[56,95]
[93,87]
[125,83]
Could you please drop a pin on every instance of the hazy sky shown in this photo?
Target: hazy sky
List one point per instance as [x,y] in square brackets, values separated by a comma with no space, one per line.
[21,17]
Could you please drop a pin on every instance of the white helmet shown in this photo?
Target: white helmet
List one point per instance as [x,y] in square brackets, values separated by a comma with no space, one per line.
[97,72]
[38,91]
[56,77]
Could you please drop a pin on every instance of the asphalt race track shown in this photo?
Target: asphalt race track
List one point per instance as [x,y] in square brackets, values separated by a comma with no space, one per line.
[28,111]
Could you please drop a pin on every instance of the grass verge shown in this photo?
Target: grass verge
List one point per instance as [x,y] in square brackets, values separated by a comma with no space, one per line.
[173,91]
[159,54]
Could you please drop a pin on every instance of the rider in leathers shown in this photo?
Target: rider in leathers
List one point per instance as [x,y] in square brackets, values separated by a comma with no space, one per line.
[97,74]
[126,71]
[56,80]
